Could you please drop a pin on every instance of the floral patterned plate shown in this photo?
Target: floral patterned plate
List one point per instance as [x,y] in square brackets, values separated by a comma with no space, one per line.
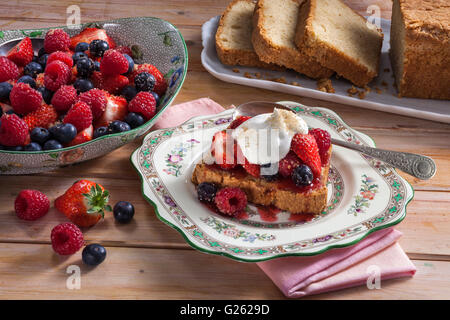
[160,43]
[364,194]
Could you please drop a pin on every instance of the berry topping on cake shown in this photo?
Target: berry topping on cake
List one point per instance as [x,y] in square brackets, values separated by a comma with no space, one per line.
[305,147]
[251,168]
[206,192]
[302,175]
[288,164]
[323,140]
[66,238]
[238,121]
[224,150]
[31,204]
[230,200]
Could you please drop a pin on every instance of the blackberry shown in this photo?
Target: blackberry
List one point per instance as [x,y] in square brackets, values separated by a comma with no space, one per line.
[302,175]
[85,67]
[144,81]
[206,192]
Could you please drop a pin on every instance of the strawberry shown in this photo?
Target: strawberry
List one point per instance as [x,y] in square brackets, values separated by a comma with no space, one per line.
[238,121]
[288,164]
[113,63]
[305,147]
[224,150]
[65,57]
[22,53]
[252,168]
[125,50]
[84,203]
[45,116]
[114,84]
[82,137]
[323,139]
[160,84]
[96,99]
[8,70]
[116,109]
[89,34]
[80,115]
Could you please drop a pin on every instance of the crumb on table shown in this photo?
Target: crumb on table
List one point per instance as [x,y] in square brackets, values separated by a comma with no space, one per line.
[325,85]
[248,75]
[235,70]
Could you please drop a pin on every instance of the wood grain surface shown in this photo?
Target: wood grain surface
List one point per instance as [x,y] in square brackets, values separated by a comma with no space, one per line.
[147,259]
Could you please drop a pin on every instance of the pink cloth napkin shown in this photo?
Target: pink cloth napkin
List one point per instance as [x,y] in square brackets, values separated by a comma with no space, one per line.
[379,254]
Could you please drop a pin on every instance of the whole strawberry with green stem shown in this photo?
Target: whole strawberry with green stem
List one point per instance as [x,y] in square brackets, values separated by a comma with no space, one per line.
[84,203]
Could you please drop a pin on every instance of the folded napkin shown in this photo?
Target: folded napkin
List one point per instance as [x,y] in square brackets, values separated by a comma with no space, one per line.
[378,255]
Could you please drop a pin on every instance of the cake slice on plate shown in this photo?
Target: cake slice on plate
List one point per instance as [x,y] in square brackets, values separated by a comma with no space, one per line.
[294,178]
[340,39]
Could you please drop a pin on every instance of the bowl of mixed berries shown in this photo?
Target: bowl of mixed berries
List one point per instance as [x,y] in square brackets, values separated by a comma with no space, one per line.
[70,95]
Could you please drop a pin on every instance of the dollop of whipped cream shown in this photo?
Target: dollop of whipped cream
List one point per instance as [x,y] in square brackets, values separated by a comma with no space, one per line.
[266,138]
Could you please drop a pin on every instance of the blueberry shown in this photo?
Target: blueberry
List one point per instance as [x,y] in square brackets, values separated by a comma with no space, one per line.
[83,85]
[33,146]
[130,63]
[47,95]
[78,55]
[10,111]
[129,92]
[85,67]
[33,69]
[81,47]
[96,65]
[27,79]
[39,135]
[5,90]
[302,175]
[98,47]
[156,97]
[93,254]
[118,126]
[144,81]
[206,192]
[43,60]
[100,131]
[52,145]
[134,120]
[63,132]
[16,148]
[41,52]
[123,211]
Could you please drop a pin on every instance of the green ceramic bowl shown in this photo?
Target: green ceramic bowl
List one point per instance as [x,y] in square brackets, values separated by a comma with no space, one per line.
[161,44]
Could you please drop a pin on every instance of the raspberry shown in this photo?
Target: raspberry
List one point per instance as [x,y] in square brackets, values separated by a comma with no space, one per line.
[22,53]
[31,204]
[113,63]
[13,131]
[143,103]
[251,168]
[57,73]
[44,117]
[323,139]
[56,40]
[64,98]
[238,121]
[288,164]
[24,99]
[80,115]
[66,238]
[114,84]
[206,192]
[96,99]
[230,200]
[124,50]
[65,57]
[160,85]
[8,70]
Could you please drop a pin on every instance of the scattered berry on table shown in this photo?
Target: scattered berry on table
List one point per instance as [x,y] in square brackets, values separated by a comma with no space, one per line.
[85,67]
[81,47]
[47,95]
[28,80]
[5,90]
[206,192]
[64,98]
[84,203]
[100,131]
[143,103]
[287,165]
[65,57]
[80,115]
[96,99]
[8,70]
[52,145]
[252,168]
[230,200]
[32,69]
[32,146]
[24,99]
[123,211]
[56,40]
[63,132]
[323,139]
[57,74]
[113,63]
[22,53]
[83,85]
[130,63]
[39,135]
[129,92]
[144,81]
[134,120]
[117,126]
[45,116]
[302,175]
[93,254]
[31,204]
[66,238]
[98,47]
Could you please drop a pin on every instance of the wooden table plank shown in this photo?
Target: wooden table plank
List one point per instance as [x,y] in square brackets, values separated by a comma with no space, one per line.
[34,271]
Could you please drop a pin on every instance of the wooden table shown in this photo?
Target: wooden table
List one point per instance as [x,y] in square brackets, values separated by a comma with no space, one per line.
[147,259]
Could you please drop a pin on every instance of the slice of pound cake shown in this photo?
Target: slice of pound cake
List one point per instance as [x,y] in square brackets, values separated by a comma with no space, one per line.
[340,39]
[420,48]
[233,36]
[274,23]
